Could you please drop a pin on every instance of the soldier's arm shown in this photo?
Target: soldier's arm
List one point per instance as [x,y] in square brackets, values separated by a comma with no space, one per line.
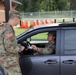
[48,50]
[10,42]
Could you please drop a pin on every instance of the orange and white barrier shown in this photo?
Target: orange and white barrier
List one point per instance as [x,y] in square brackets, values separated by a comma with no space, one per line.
[22,24]
[52,21]
[43,22]
[27,24]
[34,23]
[47,21]
[38,22]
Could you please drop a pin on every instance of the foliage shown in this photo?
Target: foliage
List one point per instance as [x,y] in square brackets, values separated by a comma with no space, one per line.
[46,5]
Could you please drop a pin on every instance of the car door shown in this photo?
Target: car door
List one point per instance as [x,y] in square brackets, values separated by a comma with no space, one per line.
[68,50]
[42,64]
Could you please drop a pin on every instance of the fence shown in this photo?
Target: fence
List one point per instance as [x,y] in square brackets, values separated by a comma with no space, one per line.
[60,16]
[51,14]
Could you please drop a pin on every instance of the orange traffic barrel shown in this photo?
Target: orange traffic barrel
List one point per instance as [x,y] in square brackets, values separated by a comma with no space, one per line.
[52,21]
[47,21]
[22,24]
[34,23]
[38,22]
[27,24]
[43,21]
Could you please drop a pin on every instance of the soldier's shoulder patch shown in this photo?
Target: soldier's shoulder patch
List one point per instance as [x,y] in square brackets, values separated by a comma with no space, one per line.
[9,35]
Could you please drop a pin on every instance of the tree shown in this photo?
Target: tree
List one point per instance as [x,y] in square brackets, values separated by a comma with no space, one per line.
[45,5]
[63,5]
[73,4]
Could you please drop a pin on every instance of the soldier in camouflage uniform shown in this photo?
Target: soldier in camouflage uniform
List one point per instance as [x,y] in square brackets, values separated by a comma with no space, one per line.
[49,48]
[9,57]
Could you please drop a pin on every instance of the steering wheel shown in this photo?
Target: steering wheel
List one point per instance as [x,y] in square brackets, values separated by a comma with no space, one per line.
[28,44]
[29,50]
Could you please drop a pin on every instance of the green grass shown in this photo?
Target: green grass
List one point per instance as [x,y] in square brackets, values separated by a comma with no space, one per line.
[19,30]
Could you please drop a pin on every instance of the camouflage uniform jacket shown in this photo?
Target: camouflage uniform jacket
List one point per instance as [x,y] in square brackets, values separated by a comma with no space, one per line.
[49,48]
[8,46]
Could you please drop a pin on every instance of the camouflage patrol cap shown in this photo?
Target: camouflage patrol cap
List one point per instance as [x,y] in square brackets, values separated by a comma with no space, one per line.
[15,13]
[51,33]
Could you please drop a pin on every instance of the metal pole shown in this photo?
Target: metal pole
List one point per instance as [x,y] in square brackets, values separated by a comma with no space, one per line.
[63,20]
[73,19]
[7,4]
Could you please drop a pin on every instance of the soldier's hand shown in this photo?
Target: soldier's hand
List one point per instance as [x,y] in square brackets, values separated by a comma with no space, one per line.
[34,47]
[22,48]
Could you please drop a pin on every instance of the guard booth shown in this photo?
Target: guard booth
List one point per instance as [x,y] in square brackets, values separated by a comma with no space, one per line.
[5,6]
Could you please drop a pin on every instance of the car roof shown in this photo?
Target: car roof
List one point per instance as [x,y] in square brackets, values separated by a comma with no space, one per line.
[70,24]
[47,25]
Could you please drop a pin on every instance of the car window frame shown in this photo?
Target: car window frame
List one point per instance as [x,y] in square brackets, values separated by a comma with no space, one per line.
[57,29]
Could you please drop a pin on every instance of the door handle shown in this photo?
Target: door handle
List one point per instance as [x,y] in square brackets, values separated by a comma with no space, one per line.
[69,62]
[50,62]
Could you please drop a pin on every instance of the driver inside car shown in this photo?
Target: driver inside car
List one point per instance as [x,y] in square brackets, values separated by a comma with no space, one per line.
[50,46]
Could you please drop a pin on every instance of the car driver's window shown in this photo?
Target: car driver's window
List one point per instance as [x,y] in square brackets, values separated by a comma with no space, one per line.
[43,43]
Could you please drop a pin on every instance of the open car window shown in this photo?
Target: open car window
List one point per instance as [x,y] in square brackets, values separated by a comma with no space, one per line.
[38,38]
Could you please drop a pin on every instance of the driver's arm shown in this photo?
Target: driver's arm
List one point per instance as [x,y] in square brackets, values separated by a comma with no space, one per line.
[48,50]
